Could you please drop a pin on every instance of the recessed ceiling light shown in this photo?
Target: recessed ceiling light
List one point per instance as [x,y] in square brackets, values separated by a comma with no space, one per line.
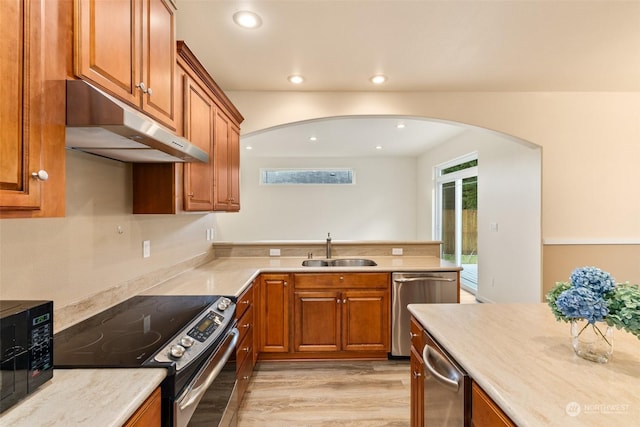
[247,19]
[378,79]
[313,138]
[400,125]
[296,79]
[378,147]
[248,147]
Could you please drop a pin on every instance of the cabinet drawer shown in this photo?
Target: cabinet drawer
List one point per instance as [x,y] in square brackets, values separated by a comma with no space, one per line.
[244,372]
[245,323]
[417,339]
[244,351]
[244,302]
[341,280]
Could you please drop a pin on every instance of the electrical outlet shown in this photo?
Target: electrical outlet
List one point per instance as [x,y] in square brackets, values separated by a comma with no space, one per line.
[274,252]
[396,251]
[146,249]
[493,227]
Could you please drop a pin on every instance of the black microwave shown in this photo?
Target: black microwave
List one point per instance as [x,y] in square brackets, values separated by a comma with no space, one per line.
[26,348]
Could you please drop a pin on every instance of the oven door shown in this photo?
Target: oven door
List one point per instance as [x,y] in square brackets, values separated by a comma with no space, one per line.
[210,398]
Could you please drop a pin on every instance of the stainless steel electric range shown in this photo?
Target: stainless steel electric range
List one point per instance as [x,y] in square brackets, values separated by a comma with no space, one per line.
[193,337]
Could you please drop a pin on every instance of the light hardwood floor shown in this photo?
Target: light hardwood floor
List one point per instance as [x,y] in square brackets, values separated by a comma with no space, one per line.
[330,393]
[327,393]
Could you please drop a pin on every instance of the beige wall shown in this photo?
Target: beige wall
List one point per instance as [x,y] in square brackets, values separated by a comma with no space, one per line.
[84,254]
[590,146]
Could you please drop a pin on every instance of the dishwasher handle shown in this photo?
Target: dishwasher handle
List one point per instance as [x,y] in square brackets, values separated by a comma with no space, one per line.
[432,358]
[424,279]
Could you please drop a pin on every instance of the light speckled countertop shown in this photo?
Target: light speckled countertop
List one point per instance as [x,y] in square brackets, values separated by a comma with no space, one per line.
[85,397]
[230,276]
[522,357]
[108,397]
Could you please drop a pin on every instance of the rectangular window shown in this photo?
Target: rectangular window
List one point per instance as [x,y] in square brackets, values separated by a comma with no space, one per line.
[306,176]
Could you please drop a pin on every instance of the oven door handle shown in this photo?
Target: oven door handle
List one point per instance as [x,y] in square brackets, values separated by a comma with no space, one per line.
[195,394]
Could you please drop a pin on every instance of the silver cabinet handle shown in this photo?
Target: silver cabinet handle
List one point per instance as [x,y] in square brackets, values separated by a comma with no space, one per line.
[429,355]
[424,279]
[412,335]
[416,374]
[149,92]
[142,87]
[41,175]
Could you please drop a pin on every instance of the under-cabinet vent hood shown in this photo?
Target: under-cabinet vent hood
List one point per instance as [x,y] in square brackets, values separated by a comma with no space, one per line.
[100,124]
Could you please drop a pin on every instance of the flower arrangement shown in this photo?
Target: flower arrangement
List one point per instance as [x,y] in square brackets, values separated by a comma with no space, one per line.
[594,295]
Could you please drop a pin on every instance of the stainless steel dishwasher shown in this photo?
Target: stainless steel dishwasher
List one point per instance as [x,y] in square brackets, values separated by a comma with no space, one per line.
[417,288]
[447,388]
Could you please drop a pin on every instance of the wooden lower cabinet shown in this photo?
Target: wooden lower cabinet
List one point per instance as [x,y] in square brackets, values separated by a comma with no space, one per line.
[417,388]
[342,314]
[417,374]
[273,316]
[485,412]
[341,320]
[317,321]
[149,414]
[246,351]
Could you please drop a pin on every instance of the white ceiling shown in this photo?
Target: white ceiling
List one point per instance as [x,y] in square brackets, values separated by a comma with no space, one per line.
[426,45]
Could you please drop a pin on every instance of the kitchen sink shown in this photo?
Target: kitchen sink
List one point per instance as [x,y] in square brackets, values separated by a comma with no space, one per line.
[339,262]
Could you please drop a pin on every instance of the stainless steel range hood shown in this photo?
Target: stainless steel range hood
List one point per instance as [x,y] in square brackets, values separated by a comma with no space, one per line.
[100,124]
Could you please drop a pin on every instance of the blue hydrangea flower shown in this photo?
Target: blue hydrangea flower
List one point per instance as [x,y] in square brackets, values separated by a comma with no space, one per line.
[593,278]
[580,302]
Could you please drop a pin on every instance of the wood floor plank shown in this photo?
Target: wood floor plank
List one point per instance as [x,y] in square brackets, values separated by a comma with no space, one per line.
[328,393]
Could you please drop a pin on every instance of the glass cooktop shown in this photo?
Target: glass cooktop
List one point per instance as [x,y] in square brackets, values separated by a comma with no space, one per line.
[127,334]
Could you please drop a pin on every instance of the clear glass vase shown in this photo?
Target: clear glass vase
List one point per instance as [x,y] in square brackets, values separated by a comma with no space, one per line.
[592,341]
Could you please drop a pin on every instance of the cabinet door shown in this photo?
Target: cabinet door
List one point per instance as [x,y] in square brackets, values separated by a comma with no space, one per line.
[227,164]
[417,388]
[20,108]
[149,414]
[234,168]
[485,412]
[127,47]
[159,61]
[365,321]
[221,162]
[199,115]
[274,313]
[317,321]
[108,45]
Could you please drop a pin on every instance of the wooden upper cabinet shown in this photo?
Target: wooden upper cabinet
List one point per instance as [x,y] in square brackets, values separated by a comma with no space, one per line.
[226,164]
[208,119]
[199,116]
[32,122]
[127,47]
[20,109]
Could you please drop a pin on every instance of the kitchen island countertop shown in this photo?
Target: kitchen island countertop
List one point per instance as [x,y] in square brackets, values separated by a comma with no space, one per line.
[522,357]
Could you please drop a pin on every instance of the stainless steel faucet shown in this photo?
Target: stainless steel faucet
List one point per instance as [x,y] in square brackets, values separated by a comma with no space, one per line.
[328,245]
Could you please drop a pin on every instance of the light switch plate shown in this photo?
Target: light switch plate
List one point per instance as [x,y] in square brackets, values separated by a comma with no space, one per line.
[146,249]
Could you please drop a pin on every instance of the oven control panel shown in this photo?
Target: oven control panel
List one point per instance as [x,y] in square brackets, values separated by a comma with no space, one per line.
[200,334]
